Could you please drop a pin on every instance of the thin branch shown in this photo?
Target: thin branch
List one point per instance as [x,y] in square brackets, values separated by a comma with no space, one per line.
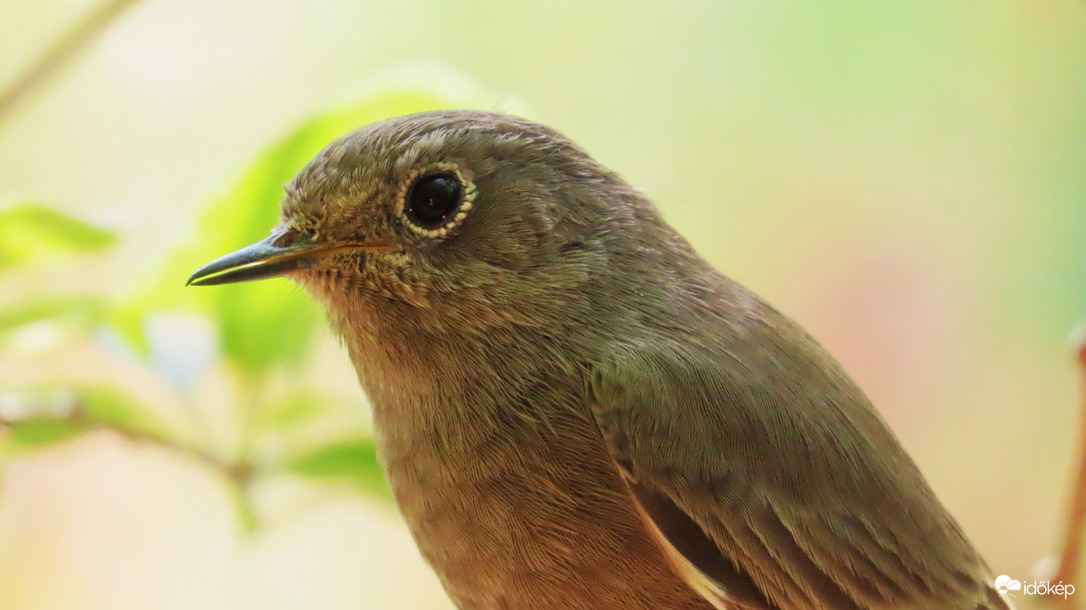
[1070,558]
[240,472]
[66,48]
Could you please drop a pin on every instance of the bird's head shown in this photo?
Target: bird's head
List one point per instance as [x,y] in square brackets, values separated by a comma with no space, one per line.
[482,211]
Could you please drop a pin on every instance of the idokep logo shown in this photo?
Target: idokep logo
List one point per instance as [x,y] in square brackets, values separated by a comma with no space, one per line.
[1005,585]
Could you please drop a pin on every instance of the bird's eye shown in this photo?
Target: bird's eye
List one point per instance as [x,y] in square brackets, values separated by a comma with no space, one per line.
[433,199]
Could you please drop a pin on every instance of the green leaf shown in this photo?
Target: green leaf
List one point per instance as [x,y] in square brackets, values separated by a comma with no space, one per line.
[33,233]
[37,434]
[263,324]
[352,462]
[84,311]
[25,437]
[278,415]
[49,414]
[114,409]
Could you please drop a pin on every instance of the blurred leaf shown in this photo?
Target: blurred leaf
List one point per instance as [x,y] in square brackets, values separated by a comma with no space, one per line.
[22,437]
[45,415]
[112,408]
[270,323]
[352,461]
[36,434]
[85,311]
[33,233]
[280,415]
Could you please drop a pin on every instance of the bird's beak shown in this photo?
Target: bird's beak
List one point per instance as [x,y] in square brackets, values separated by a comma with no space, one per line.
[281,253]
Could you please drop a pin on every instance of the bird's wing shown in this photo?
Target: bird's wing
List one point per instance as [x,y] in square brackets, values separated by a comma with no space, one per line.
[770,482]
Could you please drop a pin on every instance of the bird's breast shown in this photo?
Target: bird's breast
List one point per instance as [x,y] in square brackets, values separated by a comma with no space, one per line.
[522,507]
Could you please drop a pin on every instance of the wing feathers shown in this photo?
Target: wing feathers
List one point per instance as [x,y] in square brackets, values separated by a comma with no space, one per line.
[748,498]
[686,537]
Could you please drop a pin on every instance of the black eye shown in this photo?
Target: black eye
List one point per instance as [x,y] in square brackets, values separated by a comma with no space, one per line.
[433,199]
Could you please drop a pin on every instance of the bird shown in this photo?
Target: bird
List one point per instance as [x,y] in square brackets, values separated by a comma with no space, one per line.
[574,409]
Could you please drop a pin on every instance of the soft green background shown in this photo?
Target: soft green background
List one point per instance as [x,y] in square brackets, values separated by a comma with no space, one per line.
[908,180]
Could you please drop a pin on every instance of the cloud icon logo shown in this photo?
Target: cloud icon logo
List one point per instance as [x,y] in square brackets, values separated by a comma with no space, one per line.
[1005,584]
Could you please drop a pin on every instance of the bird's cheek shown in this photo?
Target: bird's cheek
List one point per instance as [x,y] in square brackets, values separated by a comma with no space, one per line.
[391,276]
[318,284]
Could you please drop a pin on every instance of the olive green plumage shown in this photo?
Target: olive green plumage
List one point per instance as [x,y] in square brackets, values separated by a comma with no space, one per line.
[575,410]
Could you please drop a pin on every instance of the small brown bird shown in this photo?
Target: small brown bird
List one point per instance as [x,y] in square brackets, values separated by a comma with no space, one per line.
[575,410]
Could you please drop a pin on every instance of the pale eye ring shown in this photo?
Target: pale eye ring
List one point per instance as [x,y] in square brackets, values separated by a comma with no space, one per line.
[435,200]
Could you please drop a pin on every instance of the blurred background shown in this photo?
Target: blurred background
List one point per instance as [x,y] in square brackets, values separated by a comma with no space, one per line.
[905,179]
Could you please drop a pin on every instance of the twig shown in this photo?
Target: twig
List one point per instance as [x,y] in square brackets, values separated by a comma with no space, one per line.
[240,472]
[61,52]
[1076,517]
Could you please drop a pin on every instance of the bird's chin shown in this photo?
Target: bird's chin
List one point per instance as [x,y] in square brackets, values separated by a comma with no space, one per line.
[338,287]
[324,284]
